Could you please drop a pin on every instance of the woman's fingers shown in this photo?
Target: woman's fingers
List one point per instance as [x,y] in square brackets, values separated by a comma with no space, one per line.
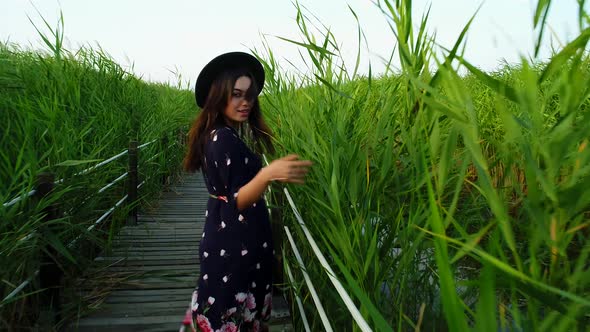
[290,157]
[292,170]
[302,163]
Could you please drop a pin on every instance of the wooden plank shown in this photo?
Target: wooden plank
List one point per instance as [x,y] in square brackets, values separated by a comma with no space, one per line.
[194,236]
[167,219]
[186,232]
[173,308]
[161,269]
[189,260]
[150,295]
[148,250]
[164,226]
[188,243]
[126,324]
[188,268]
[151,253]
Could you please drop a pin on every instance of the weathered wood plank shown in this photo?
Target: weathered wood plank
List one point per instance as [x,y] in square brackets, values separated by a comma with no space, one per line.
[193,268]
[148,250]
[178,260]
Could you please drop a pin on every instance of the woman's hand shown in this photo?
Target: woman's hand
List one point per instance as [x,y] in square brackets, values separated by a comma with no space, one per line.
[288,169]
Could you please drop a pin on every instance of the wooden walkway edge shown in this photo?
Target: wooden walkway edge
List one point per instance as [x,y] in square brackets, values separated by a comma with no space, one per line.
[159,261]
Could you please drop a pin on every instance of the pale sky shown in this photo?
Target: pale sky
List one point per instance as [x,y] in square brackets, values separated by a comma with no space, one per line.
[157,37]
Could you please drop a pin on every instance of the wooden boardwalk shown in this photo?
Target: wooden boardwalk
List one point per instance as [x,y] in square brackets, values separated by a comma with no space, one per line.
[159,261]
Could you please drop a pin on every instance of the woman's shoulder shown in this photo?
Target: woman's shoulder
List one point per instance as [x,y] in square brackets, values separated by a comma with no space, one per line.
[223,138]
[224,133]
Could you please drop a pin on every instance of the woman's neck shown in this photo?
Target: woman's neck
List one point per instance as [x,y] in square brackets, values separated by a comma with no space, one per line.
[232,124]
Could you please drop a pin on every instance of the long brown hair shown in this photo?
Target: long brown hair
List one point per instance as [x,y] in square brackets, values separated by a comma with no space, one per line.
[212,117]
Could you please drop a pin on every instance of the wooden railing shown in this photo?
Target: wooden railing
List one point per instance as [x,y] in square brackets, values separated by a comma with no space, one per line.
[49,274]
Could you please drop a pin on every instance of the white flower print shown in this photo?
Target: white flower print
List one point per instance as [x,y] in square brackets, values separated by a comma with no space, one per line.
[215,138]
[223,224]
[205,277]
[267,287]
[230,312]
[246,160]
[267,305]
[241,297]
[235,195]
[264,245]
[253,284]
[194,304]
[241,217]
[225,278]
[205,254]
[216,163]
[244,252]
[250,301]
[206,213]
[229,327]
[248,316]
[204,324]
[211,300]
[254,205]
[203,234]
[257,266]
[228,161]
[187,321]
[222,252]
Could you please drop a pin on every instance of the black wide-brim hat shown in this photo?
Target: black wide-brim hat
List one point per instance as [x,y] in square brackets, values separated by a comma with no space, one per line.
[232,60]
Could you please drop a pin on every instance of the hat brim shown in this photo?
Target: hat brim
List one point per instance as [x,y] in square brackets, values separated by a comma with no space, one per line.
[232,60]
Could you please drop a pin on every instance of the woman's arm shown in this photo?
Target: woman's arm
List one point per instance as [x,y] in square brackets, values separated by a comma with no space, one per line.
[251,192]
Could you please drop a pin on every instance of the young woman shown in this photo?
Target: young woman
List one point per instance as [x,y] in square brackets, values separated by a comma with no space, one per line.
[236,250]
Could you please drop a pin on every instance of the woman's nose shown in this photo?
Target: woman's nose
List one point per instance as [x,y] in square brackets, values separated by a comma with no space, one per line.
[245,103]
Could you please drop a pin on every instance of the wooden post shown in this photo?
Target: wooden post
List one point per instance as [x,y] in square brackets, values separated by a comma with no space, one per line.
[50,273]
[133,182]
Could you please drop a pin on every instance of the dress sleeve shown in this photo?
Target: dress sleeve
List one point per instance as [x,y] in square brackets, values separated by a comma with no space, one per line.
[226,151]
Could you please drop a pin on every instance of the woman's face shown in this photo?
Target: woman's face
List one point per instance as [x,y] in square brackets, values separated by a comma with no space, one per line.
[238,107]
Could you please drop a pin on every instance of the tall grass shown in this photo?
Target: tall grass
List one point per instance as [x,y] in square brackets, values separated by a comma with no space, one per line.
[61,112]
[444,202]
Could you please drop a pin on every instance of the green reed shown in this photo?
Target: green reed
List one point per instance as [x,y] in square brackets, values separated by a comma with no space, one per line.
[443,201]
[62,112]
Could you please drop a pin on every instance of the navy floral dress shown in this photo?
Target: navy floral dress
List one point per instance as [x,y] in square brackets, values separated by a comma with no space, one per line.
[236,251]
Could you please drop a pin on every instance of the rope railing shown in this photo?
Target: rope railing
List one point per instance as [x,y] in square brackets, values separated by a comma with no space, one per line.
[356,315]
[100,191]
[314,294]
[19,288]
[105,215]
[298,300]
[100,164]
[70,245]
[19,198]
